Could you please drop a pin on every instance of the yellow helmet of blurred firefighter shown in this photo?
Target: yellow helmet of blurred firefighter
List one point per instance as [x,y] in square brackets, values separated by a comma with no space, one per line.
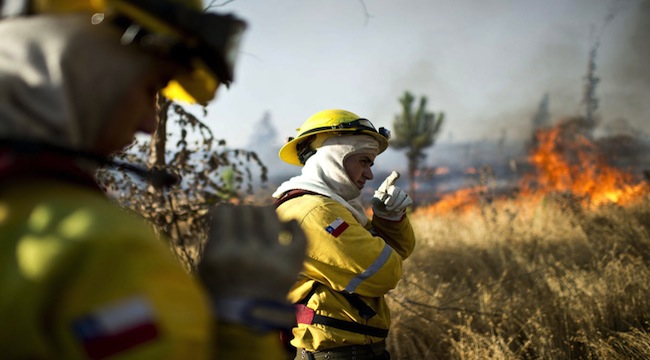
[205,44]
[325,124]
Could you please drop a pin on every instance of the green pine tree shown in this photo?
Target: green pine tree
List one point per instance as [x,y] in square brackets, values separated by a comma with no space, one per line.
[415,130]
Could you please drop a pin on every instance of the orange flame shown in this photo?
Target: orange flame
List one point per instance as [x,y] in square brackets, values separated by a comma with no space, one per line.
[576,167]
[565,162]
[458,201]
[443,170]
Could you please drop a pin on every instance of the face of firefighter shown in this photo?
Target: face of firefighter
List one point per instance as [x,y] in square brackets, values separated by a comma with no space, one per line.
[136,112]
[359,168]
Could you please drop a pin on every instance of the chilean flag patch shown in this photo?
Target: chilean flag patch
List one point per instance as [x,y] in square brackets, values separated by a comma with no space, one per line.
[337,227]
[116,327]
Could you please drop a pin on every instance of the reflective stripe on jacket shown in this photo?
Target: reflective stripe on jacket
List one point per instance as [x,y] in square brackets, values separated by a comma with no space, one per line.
[345,257]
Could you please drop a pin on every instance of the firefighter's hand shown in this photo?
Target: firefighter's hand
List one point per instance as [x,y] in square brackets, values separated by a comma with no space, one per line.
[390,202]
[250,262]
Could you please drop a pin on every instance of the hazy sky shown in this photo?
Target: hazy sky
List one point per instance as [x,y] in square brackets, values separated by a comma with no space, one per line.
[485,63]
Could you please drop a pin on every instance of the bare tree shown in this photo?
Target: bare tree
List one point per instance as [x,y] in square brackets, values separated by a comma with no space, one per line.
[208,173]
[415,130]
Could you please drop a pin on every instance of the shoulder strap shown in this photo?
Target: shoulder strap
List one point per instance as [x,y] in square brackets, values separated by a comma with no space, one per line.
[17,167]
[311,292]
[292,194]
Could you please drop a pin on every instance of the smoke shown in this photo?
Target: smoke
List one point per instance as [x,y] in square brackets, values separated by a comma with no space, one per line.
[264,135]
[541,58]
[630,74]
[635,53]
[560,68]
[265,141]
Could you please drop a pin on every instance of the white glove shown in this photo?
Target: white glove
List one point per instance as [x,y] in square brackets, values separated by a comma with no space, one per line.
[390,202]
[250,262]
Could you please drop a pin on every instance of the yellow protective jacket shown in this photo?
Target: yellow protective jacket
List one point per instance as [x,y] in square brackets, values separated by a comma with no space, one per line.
[82,279]
[344,257]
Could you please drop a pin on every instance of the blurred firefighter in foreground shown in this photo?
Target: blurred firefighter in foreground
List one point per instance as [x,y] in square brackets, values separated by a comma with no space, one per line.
[80,277]
[351,262]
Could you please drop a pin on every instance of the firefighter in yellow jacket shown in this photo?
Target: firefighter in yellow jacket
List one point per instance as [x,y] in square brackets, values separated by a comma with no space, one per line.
[352,262]
[80,278]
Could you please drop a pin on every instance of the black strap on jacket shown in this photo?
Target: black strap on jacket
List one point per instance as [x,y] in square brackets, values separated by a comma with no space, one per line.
[16,167]
[37,159]
[350,326]
[364,310]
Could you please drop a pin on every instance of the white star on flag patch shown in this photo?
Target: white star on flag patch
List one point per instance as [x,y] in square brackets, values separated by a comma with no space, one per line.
[116,327]
[337,227]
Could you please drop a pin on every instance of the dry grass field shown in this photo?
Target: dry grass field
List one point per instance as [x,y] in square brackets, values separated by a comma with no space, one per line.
[545,279]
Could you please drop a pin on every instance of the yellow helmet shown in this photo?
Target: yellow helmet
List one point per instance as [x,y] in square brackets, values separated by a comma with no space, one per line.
[206,44]
[323,125]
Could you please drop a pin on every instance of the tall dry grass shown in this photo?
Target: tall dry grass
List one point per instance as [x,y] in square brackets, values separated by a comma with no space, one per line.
[514,280]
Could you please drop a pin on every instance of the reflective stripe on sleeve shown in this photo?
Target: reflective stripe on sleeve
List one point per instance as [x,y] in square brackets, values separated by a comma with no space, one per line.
[374,267]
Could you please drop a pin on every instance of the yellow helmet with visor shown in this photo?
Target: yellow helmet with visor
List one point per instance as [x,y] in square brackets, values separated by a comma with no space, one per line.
[323,125]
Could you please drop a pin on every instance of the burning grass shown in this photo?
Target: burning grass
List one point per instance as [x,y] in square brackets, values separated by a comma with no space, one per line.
[567,161]
[533,278]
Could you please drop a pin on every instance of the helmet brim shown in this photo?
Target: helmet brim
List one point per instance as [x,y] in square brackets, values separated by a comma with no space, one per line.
[289,153]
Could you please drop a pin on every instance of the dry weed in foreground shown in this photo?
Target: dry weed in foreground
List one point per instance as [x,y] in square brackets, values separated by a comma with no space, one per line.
[526,281]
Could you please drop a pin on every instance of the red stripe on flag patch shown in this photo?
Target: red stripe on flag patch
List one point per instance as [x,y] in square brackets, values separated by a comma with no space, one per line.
[116,327]
[337,227]
[340,229]
[103,347]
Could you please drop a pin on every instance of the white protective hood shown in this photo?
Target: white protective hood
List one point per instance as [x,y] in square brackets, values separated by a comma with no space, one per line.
[62,77]
[324,172]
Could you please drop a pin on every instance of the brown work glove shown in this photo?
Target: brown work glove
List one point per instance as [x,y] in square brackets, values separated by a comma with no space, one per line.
[250,262]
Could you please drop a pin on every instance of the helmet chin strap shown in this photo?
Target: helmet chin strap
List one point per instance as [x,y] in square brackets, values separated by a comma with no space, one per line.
[305,150]
[156,177]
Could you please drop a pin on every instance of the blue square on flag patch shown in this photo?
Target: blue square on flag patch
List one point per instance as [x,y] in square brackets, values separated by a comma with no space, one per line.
[116,327]
[337,227]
